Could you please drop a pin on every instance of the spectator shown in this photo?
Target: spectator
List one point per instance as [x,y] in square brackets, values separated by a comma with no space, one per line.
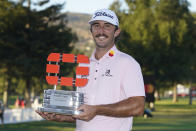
[1,112]
[150,99]
[17,102]
[22,103]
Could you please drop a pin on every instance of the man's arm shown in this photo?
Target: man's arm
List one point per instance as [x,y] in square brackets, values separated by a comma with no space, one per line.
[56,117]
[133,106]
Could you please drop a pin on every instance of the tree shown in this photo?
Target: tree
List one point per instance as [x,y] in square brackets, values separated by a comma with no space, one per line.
[32,35]
[8,69]
[157,34]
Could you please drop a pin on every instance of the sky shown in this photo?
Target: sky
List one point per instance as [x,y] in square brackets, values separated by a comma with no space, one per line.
[89,6]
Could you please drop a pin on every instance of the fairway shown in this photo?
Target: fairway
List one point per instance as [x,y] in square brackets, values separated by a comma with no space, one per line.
[167,117]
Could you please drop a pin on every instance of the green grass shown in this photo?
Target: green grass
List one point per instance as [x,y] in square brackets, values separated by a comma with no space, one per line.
[167,117]
[39,126]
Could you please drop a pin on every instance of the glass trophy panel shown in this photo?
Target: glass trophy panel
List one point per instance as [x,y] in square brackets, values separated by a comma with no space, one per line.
[62,102]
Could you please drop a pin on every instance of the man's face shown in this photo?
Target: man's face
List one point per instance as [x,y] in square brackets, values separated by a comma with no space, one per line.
[104,33]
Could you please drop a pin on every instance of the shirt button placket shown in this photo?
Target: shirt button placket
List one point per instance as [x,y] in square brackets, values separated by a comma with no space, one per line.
[96,70]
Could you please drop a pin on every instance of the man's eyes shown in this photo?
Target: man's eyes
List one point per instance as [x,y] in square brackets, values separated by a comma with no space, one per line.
[108,25]
[96,25]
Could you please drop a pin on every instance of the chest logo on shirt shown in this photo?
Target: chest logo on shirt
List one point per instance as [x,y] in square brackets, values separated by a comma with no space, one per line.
[108,73]
[111,53]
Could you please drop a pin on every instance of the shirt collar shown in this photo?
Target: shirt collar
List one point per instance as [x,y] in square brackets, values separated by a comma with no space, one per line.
[110,54]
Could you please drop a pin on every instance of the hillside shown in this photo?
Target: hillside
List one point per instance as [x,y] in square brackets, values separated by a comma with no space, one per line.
[79,24]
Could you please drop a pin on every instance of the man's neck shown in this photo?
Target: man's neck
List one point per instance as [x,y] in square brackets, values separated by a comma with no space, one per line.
[100,52]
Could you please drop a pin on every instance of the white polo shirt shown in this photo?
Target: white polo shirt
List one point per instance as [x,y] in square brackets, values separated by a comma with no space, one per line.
[113,78]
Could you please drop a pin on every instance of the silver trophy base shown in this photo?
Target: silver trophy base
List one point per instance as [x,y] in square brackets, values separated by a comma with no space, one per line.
[59,111]
[62,102]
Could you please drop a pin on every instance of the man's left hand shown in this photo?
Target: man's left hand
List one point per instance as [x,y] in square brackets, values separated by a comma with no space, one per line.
[88,112]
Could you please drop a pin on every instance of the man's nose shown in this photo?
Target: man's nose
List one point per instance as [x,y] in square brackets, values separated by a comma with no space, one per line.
[101,29]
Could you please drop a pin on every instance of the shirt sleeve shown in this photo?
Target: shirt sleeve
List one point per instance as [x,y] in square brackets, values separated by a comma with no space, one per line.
[132,79]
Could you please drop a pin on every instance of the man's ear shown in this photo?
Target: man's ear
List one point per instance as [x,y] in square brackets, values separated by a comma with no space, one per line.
[117,32]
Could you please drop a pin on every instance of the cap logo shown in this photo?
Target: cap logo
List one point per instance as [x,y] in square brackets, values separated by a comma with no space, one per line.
[103,14]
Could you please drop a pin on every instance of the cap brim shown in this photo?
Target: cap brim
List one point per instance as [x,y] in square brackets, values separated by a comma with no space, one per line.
[103,19]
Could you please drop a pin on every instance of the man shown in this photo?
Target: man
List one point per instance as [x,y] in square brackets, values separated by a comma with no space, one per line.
[115,91]
[1,112]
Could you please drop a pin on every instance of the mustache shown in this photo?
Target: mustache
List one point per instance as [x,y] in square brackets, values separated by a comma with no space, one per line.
[98,35]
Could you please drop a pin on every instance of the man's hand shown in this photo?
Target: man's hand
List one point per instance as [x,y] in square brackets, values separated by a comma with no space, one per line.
[56,117]
[133,106]
[89,112]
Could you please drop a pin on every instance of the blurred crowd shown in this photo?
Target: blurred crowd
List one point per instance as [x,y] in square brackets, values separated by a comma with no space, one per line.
[19,103]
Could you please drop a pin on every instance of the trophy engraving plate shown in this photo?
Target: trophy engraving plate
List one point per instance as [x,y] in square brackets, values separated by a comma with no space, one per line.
[58,100]
[62,102]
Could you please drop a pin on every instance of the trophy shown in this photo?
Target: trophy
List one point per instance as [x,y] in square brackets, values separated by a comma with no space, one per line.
[62,101]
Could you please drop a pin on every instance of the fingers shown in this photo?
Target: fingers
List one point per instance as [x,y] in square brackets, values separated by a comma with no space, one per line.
[51,117]
[83,116]
[37,111]
[41,114]
[47,116]
[56,117]
[80,117]
[82,107]
[87,114]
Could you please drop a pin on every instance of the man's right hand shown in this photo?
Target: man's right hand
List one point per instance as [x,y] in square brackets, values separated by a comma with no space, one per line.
[56,117]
